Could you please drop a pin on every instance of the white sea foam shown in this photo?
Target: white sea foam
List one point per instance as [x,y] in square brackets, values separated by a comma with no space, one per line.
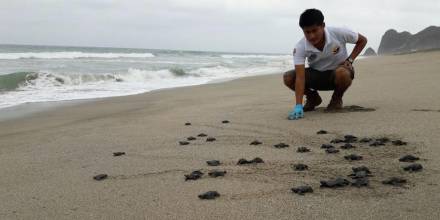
[71,55]
[48,86]
[34,74]
[255,56]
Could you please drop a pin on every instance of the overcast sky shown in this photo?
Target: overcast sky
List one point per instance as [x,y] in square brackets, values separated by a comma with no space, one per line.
[214,25]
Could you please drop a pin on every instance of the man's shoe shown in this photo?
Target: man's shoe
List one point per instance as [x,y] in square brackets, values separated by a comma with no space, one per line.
[312,100]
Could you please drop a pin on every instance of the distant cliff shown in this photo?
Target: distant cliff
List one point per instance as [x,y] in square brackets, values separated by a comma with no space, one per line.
[369,52]
[394,42]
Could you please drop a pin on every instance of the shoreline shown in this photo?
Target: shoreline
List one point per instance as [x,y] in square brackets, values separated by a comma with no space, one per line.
[27,109]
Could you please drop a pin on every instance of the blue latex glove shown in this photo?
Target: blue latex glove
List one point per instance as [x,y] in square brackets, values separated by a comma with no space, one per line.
[296,113]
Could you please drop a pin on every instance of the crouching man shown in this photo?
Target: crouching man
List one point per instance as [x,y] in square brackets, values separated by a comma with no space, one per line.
[330,67]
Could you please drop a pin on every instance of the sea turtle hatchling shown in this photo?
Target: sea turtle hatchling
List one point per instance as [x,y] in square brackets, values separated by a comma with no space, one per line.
[210,139]
[301,190]
[415,167]
[336,141]
[100,177]
[335,183]
[209,195]
[256,142]
[325,146]
[353,157]
[365,140]
[194,175]
[350,138]
[191,138]
[255,160]
[360,182]
[377,143]
[383,139]
[322,132]
[398,142]
[302,150]
[183,143]
[243,161]
[281,145]
[359,175]
[213,162]
[331,150]
[408,158]
[347,146]
[117,154]
[300,167]
[216,173]
[394,181]
[361,168]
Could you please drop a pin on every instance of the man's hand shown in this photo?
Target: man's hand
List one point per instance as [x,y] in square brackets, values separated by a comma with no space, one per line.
[360,44]
[347,64]
[296,113]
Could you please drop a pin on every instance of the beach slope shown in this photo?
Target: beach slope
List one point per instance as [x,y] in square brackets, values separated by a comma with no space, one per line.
[48,159]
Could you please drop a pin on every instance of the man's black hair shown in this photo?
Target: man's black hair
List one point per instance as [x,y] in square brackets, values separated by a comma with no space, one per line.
[311,17]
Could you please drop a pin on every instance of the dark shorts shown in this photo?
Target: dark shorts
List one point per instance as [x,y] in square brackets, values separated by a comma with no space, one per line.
[319,80]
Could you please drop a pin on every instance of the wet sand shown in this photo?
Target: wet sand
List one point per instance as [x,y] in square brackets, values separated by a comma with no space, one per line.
[48,159]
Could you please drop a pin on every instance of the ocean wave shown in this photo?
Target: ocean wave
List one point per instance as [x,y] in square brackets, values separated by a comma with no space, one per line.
[46,79]
[12,81]
[71,55]
[255,56]
[19,80]
[41,86]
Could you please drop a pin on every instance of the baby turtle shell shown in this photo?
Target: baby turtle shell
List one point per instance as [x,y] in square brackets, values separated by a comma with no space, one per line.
[213,162]
[395,181]
[194,175]
[216,173]
[209,195]
[335,183]
[415,167]
[302,150]
[100,177]
[300,167]
[353,157]
[301,190]
[408,158]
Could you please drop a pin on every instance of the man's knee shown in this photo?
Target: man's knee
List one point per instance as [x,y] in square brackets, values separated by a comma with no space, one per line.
[343,76]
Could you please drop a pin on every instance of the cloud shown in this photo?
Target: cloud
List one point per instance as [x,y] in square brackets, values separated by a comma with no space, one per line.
[221,25]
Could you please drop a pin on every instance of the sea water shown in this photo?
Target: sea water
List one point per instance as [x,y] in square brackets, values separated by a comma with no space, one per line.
[31,74]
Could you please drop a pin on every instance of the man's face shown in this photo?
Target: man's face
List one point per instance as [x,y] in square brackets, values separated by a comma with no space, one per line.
[314,34]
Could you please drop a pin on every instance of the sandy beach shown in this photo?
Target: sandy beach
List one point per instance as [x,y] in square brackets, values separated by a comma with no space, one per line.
[48,158]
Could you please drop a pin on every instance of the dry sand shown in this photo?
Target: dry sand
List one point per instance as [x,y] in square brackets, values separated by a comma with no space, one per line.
[48,159]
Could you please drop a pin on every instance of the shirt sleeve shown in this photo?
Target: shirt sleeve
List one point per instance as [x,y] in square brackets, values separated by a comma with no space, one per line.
[299,54]
[347,35]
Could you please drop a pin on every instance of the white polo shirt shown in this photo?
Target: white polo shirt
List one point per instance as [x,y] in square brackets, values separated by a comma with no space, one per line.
[334,52]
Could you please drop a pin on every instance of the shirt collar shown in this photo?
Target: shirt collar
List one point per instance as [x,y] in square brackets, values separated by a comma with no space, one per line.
[328,40]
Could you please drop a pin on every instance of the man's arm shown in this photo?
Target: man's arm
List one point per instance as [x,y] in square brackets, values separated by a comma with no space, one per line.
[299,61]
[300,83]
[360,44]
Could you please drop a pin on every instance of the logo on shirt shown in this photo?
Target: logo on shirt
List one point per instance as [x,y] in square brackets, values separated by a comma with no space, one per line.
[336,49]
[312,57]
